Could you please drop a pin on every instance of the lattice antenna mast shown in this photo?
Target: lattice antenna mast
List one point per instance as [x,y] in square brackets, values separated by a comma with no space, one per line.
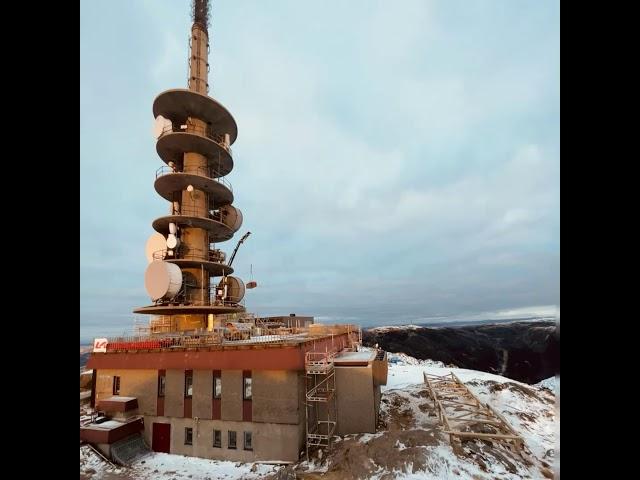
[200,12]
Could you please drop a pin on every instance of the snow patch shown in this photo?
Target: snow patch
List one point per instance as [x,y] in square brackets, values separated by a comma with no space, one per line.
[157,464]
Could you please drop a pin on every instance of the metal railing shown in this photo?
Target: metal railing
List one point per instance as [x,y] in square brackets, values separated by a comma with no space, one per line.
[197,300]
[208,172]
[182,253]
[217,138]
[319,362]
[197,211]
[217,337]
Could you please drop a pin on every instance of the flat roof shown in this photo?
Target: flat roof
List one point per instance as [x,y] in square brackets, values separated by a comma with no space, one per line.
[108,425]
[118,398]
[354,358]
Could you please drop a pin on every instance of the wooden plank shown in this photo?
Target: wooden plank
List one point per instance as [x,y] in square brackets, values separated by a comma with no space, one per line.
[507,425]
[476,420]
[475,412]
[483,435]
[460,403]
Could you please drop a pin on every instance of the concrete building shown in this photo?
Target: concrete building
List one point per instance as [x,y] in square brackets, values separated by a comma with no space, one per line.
[205,378]
[243,400]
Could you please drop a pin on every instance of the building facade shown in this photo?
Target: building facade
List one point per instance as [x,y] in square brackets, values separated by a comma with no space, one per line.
[244,402]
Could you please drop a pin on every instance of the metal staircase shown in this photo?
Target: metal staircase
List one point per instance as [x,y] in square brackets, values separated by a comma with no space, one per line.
[320,401]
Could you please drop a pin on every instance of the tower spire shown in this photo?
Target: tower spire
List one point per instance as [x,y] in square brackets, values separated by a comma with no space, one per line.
[199,46]
[200,14]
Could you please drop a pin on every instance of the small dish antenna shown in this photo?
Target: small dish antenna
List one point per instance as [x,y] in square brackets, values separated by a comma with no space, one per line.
[173,241]
[161,125]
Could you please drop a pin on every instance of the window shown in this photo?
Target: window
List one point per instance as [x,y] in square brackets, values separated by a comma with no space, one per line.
[247,388]
[188,436]
[188,384]
[217,438]
[217,387]
[116,385]
[247,441]
[161,384]
[232,439]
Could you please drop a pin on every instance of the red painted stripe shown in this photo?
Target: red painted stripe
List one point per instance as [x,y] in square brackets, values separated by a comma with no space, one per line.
[262,358]
[187,407]
[216,406]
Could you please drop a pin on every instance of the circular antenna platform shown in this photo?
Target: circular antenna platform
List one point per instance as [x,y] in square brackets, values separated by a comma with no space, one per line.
[179,104]
[162,280]
[155,243]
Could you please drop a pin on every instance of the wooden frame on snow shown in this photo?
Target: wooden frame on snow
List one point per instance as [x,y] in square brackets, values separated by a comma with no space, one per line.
[460,411]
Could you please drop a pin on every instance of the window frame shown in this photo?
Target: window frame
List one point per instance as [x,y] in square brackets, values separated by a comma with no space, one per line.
[162,382]
[217,378]
[232,445]
[188,431]
[219,444]
[116,385]
[188,375]
[250,435]
[244,388]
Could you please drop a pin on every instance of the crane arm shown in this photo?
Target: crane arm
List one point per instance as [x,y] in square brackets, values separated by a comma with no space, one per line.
[235,250]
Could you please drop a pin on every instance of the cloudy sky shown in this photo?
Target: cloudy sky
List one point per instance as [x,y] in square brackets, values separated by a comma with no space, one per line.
[397,161]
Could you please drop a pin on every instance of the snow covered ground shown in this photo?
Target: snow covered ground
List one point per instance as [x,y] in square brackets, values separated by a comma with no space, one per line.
[389,328]
[176,467]
[197,468]
[528,408]
[552,383]
[408,446]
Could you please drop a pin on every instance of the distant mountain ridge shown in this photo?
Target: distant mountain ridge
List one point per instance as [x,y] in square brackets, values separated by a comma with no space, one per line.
[525,351]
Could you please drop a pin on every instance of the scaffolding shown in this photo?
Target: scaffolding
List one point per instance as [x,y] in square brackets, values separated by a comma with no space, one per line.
[321,408]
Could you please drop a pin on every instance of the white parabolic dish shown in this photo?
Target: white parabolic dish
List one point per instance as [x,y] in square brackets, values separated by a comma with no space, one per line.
[155,243]
[232,217]
[160,126]
[162,280]
[235,288]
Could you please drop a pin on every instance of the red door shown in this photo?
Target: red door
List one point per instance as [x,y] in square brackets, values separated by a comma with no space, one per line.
[161,440]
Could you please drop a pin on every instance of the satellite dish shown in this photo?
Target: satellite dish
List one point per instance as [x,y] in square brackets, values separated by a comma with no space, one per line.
[162,280]
[172,241]
[235,288]
[161,125]
[231,217]
[155,243]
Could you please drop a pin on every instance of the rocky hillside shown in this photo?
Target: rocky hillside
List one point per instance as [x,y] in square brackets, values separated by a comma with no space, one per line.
[524,351]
